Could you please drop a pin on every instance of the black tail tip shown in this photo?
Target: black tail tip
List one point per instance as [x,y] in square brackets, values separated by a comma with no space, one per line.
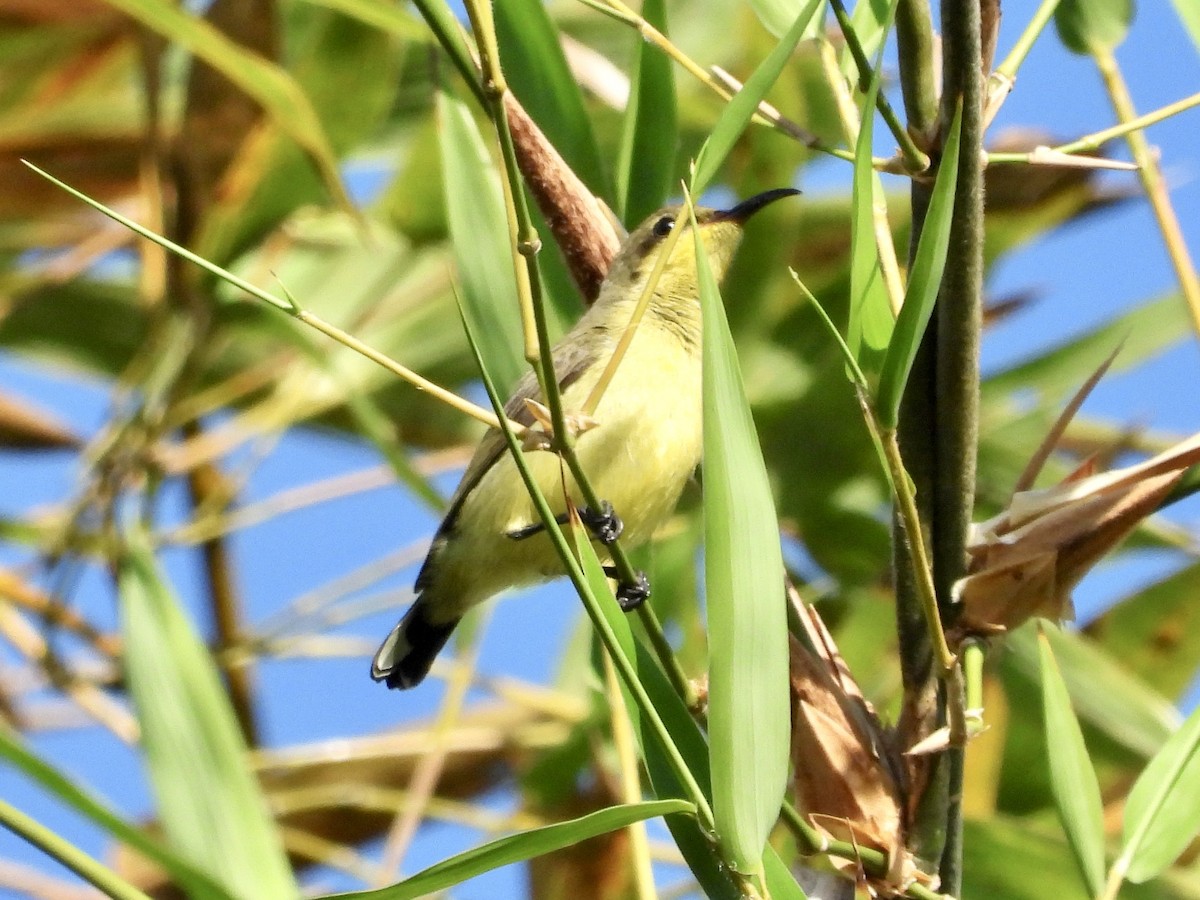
[407,655]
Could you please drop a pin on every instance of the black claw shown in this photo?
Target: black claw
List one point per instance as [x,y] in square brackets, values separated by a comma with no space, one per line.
[604,523]
[606,526]
[630,596]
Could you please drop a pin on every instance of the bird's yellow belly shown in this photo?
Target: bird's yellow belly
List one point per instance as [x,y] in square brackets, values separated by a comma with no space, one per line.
[638,458]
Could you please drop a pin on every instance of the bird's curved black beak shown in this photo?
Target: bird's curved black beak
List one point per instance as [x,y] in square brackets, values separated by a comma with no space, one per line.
[751,205]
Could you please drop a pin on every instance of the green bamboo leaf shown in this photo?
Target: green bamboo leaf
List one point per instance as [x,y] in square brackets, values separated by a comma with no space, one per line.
[1189,15]
[738,112]
[1132,631]
[777,16]
[747,611]
[1142,333]
[871,321]
[1162,816]
[650,134]
[197,883]
[537,72]
[1103,694]
[1093,27]
[210,804]
[520,847]
[992,846]
[268,84]
[482,250]
[1072,777]
[923,282]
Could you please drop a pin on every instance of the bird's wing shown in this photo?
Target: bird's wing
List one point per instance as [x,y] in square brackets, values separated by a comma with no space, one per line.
[570,362]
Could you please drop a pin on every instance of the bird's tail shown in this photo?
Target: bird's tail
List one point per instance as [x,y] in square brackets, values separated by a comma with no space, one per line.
[405,657]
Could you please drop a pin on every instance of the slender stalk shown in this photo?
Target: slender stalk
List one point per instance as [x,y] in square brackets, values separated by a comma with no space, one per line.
[717,82]
[915,159]
[206,485]
[103,878]
[290,307]
[1130,124]
[914,39]
[666,656]
[524,238]
[539,351]
[423,782]
[631,782]
[446,29]
[1001,81]
[851,123]
[1154,185]
[958,319]
[920,561]
[811,841]
[1097,139]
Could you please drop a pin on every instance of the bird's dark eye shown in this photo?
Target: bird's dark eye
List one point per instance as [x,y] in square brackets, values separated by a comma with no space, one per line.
[663,226]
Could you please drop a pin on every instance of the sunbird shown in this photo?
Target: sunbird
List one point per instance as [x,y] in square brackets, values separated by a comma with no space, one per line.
[643,447]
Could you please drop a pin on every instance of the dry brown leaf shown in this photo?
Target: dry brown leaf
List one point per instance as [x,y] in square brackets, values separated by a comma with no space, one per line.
[24,426]
[582,226]
[846,779]
[1025,561]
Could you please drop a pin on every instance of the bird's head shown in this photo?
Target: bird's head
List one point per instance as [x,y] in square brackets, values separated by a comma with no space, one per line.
[720,230]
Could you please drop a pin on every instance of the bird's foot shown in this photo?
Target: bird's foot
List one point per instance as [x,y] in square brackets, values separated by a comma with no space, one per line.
[630,595]
[605,525]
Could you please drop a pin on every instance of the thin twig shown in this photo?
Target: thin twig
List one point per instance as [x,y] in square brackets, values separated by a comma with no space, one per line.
[916,160]
[428,770]
[290,307]
[631,782]
[1000,82]
[1154,185]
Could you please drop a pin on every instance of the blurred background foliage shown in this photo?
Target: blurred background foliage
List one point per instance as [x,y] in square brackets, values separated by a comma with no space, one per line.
[309,149]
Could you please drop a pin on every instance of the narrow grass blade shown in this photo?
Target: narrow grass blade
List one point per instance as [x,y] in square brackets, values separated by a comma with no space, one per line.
[747,612]
[736,115]
[59,848]
[210,803]
[871,321]
[196,883]
[1072,777]
[1162,816]
[271,86]
[479,230]
[520,847]
[650,136]
[923,283]
[537,71]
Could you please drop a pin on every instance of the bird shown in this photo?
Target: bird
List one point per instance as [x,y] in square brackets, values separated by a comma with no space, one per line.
[644,446]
